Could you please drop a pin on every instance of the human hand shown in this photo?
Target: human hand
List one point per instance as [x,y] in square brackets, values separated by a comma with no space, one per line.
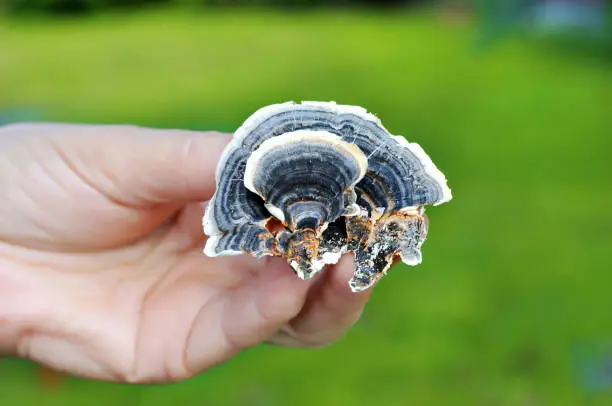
[101,267]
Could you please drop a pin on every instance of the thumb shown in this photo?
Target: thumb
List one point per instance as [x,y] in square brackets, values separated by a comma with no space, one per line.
[142,167]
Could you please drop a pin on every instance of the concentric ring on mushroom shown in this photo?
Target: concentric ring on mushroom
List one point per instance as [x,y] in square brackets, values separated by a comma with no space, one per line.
[312,181]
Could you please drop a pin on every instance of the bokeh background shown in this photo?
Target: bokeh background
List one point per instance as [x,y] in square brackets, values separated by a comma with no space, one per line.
[512,99]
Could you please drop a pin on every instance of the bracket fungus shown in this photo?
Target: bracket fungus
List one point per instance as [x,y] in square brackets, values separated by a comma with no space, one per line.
[312,181]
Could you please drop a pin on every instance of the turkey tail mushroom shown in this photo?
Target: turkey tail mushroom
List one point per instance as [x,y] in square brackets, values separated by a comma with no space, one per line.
[335,179]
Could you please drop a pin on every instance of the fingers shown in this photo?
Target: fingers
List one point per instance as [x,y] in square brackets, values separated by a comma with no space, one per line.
[177,166]
[246,316]
[331,309]
[139,166]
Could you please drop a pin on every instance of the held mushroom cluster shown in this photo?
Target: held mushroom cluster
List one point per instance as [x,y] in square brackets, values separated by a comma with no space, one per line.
[312,181]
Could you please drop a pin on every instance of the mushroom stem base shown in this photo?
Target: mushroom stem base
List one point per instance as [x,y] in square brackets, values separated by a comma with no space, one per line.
[376,244]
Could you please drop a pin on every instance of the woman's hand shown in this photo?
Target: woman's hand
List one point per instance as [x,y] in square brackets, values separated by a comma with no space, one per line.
[101,267]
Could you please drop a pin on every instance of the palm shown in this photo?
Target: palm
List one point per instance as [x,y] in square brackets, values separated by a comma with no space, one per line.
[144,303]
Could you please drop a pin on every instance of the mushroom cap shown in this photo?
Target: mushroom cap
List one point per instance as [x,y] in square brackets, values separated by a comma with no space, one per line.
[400,168]
[303,177]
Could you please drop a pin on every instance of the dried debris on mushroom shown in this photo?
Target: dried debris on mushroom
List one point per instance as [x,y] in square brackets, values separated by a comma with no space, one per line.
[312,181]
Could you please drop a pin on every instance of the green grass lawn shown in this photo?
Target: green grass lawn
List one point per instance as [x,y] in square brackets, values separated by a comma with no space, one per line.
[517,271]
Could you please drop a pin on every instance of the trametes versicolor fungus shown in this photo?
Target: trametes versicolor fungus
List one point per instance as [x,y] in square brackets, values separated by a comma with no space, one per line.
[310,182]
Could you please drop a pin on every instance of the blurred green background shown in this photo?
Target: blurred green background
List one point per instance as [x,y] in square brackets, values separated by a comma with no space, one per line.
[512,99]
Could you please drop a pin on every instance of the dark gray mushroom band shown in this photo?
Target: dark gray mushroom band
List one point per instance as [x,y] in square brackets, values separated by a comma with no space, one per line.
[310,182]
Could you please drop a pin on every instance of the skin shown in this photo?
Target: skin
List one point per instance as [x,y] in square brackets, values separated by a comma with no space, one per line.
[101,267]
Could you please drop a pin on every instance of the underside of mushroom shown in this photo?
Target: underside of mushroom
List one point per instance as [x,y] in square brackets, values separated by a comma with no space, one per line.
[312,181]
